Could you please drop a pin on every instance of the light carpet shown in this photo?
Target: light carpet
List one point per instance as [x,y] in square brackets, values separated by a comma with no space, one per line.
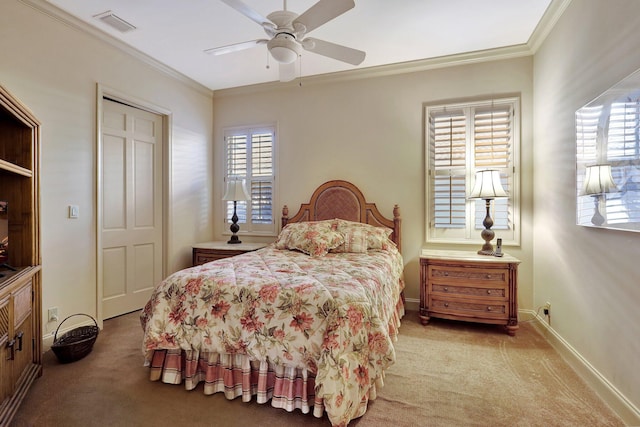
[447,374]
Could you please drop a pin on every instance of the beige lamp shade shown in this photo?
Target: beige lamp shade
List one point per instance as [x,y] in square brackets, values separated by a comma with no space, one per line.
[487,185]
[235,191]
[598,180]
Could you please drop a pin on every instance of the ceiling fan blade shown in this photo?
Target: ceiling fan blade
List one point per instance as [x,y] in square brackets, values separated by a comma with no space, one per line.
[248,12]
[335,51]
[288,71]
[235,47]
[322,12]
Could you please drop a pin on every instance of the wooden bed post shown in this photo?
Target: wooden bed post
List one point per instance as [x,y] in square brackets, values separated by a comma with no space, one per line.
[285,216]
[397,222]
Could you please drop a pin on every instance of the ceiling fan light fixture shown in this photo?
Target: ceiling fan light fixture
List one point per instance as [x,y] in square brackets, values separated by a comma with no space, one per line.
[284,48]
[284,55]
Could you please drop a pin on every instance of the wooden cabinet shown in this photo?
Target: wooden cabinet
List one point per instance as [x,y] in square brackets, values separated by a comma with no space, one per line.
[461,285]
[20,282]
[211,251]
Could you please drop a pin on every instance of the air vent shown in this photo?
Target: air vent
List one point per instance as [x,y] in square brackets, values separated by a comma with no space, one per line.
[115,21]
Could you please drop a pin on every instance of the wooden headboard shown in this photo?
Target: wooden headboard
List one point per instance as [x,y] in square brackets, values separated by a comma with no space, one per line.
[341,199]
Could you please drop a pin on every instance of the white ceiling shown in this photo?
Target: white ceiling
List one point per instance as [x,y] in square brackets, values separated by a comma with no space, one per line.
[176,32]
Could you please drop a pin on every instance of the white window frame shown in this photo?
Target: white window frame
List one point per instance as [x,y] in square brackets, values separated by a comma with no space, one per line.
[248,227]
[474,210]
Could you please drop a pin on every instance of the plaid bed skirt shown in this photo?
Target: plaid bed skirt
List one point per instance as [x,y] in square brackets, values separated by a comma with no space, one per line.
[236,375]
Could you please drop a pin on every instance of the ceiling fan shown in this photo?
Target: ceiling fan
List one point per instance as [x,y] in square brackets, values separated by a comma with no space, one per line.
[287,31]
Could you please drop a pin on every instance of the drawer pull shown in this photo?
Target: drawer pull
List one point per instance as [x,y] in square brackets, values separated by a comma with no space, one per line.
[446,304]
[488,291]
[11,345]
[446,289]
[488,276]
[488,308]
[19,337]
[446,273]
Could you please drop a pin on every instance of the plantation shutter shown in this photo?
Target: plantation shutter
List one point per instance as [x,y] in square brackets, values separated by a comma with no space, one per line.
[492,150]
[250,156]
[262,178]
[449,134]
[586,151]
[623,152]
[237,169]
[462,139]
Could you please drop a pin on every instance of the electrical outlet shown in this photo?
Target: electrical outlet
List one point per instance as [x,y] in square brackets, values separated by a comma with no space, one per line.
[52,314]
[546,309]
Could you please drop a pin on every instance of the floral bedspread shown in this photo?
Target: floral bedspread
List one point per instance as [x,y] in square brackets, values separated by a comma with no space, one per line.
[332,315]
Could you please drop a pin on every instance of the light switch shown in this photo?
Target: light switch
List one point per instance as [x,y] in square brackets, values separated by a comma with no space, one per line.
[74,211]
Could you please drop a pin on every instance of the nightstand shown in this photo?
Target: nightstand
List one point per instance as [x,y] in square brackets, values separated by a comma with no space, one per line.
[462,285]
[211,251]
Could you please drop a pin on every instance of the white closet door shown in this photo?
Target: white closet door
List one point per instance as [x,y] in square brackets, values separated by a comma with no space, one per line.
[131,215]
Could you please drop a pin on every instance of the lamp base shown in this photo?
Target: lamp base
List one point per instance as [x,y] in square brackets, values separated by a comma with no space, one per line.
[487,234]
[234,226]
[484,251]
[234,240]
[597,218]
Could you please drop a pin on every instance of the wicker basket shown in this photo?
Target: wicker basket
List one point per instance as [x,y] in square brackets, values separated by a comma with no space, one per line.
[75,344]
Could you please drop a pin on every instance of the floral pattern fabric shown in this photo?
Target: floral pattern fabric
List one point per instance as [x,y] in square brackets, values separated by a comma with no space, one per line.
[334,316]
[314,238]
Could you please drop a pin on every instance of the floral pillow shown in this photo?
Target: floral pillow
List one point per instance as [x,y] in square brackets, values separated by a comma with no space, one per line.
[315,238]
[377,237]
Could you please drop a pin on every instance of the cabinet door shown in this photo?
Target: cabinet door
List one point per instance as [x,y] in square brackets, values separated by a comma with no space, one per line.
[23,336]
[22,332]
[5,351]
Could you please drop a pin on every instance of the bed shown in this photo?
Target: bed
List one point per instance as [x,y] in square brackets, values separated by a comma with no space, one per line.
[306,323]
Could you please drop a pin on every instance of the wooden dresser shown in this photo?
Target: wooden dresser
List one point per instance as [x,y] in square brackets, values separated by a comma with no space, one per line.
[461,285]
[211,251]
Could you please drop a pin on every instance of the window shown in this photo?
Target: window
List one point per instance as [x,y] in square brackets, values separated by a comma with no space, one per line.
[250,156]
[461,139]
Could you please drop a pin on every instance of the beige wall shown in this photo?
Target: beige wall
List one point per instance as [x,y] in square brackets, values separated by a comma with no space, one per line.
[54,69]
[589,275]
[370,132]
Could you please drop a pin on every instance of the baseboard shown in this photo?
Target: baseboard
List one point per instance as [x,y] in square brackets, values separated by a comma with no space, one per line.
[629,413]
[47,341]
[412,304]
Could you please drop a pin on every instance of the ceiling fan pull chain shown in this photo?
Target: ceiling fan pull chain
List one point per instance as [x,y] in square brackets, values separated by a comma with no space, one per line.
[300,70]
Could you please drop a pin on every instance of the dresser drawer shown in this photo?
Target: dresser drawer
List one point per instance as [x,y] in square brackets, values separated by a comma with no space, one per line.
[471,291]
[474,309]
[451,274]
[203,258]
[213,251]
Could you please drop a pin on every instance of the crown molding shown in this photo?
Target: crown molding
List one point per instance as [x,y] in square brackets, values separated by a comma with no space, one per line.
[69,20]
[547,22]
[474,57]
